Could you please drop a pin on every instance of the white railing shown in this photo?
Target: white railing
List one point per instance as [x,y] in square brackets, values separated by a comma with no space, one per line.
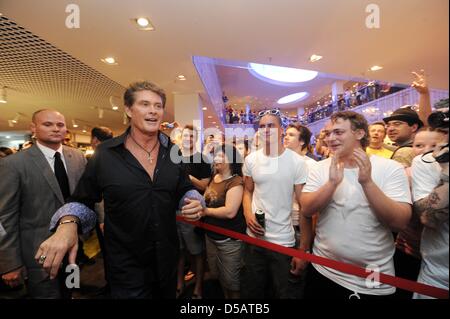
[378,109]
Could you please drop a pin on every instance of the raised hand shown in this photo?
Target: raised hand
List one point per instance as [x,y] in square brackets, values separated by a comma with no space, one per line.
[420,82]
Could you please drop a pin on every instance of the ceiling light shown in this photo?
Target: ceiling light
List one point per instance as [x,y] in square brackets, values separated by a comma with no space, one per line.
[214,122]
[114,102]
[204,108]
[181,77]
[376,68]
[3,95]
[315,58]
[7,136]
[144,24]
[293,98]
[209,116]
[100,113]
[74,124]
[109,60]
[16,118]
[281,75]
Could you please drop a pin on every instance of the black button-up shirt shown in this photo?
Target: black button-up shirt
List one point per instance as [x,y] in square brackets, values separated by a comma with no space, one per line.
[139,211]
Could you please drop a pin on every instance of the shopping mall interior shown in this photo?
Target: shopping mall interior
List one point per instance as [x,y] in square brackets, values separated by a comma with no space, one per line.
[206,57]
[220,63]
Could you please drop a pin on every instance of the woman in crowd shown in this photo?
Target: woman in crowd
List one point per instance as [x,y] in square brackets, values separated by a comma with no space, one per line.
[223,198]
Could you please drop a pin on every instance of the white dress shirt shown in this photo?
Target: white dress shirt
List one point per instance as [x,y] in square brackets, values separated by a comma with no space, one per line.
[50,155]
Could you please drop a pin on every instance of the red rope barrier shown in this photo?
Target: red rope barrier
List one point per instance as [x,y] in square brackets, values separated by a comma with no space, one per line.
[344,267]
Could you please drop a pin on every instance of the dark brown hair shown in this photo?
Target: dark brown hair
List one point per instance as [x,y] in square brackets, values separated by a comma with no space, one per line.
[305,135]
[129,98]
[357,121]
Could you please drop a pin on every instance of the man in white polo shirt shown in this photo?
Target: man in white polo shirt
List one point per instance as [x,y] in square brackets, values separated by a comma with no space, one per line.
[271,175]
[360,201]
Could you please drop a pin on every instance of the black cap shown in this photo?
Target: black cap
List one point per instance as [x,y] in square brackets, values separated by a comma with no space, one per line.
[405,114]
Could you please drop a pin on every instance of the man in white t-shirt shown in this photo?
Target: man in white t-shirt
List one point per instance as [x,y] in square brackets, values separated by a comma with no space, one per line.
[271,175]
[360,201]
[430,195]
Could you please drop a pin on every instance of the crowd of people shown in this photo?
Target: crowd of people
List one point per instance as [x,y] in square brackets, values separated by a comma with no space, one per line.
[358,94]
[352,199]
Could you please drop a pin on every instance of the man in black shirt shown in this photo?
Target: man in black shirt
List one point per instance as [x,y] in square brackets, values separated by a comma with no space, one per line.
[191,241]
[198,170]
[141,185]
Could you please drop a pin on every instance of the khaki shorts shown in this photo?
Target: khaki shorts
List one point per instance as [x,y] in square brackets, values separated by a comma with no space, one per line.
[225,261]
[189,239]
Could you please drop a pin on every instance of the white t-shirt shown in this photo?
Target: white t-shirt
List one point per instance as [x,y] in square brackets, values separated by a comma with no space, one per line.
[348,231]
[434,245]
[274,179]
[295,215]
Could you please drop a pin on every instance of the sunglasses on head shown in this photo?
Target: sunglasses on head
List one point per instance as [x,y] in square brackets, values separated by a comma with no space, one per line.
[271,112]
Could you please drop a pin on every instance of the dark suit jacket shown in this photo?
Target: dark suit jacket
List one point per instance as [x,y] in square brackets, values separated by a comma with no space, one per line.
[29,196]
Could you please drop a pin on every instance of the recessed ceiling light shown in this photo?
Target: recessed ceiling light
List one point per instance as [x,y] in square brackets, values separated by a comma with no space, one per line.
[315,58]
[181,77]
[8,136]
[204,108]
[109,60]
[293,98]
[115,108]
[144,24]
[214,122]
[84,131]
[209,116]
[376,68]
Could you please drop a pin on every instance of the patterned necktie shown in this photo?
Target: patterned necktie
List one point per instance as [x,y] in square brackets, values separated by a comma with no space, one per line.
[61,176]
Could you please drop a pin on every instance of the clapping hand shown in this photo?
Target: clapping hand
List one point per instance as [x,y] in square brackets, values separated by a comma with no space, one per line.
[364,165]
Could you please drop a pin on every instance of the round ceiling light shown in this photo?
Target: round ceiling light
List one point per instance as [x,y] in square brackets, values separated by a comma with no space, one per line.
[291,98]
[281,75]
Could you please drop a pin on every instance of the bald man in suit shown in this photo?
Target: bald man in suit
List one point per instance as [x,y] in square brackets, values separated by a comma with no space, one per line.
[33,184]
